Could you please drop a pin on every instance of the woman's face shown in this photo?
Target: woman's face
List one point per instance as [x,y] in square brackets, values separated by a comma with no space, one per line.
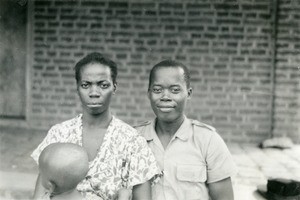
[95,88]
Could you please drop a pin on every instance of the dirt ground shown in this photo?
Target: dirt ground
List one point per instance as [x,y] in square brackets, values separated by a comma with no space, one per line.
[16,146]
[18,171]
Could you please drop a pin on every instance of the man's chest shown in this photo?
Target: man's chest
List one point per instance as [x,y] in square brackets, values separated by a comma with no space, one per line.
[178,153]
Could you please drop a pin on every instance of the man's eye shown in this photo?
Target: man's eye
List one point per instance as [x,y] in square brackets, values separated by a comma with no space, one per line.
[156,90]
[175,90]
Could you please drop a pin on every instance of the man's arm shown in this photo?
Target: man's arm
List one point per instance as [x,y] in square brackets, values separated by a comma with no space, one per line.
[221,190]
[142,191]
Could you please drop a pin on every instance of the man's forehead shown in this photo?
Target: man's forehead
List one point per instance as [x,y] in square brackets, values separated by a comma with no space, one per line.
[169,71]
[172,68]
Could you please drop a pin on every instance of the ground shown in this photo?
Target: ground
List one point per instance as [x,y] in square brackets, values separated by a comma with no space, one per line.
[18,171]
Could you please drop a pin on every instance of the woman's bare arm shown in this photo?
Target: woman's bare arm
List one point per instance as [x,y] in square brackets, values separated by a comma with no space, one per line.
[39,190]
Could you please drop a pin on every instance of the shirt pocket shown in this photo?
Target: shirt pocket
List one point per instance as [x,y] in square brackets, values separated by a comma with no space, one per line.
[191,181]
[191,173]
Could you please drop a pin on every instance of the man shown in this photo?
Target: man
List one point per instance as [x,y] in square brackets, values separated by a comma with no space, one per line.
[193,158]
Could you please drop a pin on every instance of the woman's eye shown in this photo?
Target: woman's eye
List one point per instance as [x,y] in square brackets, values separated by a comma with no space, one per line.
[84,85]
[104,85]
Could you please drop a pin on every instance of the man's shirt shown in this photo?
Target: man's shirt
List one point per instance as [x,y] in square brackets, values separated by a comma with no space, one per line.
[195,157]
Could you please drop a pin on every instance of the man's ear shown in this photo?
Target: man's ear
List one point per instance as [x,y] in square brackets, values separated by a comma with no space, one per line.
[115,88]
[190,91]
[148,93]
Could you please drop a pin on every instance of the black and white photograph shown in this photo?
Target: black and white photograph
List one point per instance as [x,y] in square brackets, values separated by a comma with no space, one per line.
[150,99]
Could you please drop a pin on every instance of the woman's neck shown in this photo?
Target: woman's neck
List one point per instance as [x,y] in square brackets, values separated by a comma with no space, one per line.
[99,120]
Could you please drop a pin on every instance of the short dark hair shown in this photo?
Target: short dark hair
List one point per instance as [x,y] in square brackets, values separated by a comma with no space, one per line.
[172,64]
[96,57]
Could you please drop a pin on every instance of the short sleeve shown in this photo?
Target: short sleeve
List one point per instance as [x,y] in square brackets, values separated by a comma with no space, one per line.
[52,136]
[220,164]
[143,166]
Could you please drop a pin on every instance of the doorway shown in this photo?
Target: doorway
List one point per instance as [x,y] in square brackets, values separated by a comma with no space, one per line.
[13,18]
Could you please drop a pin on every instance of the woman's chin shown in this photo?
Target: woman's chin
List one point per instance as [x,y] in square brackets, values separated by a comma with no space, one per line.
[95,111]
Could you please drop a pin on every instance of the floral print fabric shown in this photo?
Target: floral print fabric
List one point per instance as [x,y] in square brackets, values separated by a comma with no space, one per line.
[124,159]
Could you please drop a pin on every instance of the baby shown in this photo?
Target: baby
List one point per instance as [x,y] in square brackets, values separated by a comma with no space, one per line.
[62,166]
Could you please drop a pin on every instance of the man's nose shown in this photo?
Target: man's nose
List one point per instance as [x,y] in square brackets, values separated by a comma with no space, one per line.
[165,96]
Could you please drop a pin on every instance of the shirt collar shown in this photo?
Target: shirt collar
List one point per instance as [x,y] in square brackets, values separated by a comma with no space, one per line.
[150,133]
[183,133]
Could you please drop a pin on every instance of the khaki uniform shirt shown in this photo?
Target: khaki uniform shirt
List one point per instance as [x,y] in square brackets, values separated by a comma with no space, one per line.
[195,156]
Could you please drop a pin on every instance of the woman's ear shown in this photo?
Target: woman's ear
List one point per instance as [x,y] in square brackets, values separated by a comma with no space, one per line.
[190,91]
[115,88]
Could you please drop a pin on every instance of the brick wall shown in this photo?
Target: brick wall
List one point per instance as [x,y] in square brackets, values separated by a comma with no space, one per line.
[287,85]
[226,45]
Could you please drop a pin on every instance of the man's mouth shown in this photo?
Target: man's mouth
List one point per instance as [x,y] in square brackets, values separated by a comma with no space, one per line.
[94,105]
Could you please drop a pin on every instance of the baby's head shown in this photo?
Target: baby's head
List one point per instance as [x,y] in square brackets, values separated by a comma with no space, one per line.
[62,166]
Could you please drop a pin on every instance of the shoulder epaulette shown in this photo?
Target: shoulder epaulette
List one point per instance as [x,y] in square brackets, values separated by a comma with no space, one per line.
[142,124]
[200,124]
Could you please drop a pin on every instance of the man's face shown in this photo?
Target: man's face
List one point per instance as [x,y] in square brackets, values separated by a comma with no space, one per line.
[95,88]
[168,93]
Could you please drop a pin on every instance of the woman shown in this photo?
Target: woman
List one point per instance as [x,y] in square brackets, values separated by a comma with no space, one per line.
[118,156]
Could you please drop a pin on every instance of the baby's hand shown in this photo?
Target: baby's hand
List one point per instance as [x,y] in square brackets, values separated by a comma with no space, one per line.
[46,196]
[124,194]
